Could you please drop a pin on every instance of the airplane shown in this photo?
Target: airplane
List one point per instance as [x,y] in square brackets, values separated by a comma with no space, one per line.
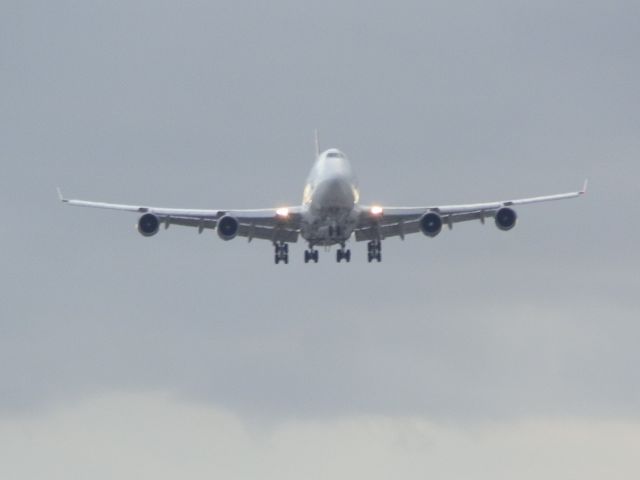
[330,214]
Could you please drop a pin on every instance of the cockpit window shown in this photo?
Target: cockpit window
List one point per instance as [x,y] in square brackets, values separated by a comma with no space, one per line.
[335,155]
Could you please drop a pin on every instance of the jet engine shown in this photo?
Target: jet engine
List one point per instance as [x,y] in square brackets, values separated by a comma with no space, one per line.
[431,224]
[506,218]
[228,227]
[148,225]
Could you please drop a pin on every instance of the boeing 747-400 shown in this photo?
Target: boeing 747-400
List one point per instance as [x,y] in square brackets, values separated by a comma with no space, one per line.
[330,214]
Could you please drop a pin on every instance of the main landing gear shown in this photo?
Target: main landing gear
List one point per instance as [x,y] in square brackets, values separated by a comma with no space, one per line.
[282,252]
[343,253]
[311,255]
[374,248]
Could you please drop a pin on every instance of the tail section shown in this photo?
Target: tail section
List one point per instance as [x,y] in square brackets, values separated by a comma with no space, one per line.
[317,139]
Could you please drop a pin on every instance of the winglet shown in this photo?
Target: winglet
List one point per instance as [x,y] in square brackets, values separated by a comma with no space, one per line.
[60,196]
[584,187]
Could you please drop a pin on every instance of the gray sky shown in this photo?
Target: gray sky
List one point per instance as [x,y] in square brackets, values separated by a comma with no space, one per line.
[474,342]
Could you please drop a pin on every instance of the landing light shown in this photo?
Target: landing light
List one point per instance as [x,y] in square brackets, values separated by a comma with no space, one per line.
[282,212]
[376,210]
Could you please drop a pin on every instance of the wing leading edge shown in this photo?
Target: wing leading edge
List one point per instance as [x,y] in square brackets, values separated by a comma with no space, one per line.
[381,222]
[273,224]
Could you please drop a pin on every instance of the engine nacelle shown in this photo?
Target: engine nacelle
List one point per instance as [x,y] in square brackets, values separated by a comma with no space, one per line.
[431,224]
[506,218]
[148,225]
[228,228]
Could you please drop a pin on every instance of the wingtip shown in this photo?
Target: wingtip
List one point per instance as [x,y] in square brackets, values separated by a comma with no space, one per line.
[584,186]
[60,196]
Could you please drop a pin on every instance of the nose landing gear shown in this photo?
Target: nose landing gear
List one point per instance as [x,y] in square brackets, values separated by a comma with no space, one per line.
[282,252]
[374,248]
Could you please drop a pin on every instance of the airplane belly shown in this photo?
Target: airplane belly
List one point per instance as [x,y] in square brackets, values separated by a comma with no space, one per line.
[329,226]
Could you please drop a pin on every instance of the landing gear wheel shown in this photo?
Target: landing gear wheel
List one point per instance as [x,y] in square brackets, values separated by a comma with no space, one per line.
[374,251]
[310,255]
[343,254]
[282,252]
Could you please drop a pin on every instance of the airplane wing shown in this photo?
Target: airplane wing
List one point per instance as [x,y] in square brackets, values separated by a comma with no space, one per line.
[273,224]
[379,222]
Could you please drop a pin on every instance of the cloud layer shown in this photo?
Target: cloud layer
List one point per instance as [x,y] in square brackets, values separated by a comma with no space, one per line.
[149,435]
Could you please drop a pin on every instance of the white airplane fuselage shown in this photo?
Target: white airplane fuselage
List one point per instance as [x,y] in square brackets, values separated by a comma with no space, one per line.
[331,200]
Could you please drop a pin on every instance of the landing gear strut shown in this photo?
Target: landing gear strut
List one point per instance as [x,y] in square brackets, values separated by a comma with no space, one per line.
[311,254]
[343,253]
[374,248]
[282,252]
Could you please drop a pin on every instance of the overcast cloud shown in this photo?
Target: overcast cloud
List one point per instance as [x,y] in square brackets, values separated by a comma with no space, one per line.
[213,105]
